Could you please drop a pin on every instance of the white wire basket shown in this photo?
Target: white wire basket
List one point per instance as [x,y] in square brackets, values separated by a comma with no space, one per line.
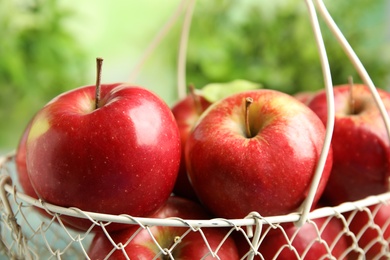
[28,234]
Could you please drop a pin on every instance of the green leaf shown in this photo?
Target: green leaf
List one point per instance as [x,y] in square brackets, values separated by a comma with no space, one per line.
[216,91]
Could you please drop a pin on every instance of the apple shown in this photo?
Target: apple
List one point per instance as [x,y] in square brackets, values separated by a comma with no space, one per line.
[186,112]
[361,148]
[369,226]
[318,239]
[21,169]
[109,148]
[22,173]
[191,246]
[21,165]
[259,157]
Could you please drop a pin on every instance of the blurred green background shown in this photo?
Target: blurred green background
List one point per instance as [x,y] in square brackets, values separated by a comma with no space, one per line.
[48,47]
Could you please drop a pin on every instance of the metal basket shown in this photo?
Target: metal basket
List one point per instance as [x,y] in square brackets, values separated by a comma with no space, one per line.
[26,234]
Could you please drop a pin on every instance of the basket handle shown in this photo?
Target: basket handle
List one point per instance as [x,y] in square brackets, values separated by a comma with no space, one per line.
[157,40]
[307,204]
[355,62]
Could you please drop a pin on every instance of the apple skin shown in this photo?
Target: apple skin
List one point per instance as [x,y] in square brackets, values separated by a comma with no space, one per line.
[21,165]
[363,226]
[22,173]
[192,245]
[361,149]
[304,237]
[186,112]
[270,173]
[121,158]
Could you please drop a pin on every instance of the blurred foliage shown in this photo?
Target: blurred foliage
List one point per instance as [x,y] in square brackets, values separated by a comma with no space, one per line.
[216,91]
[268,42]
[272,43]
[39,59]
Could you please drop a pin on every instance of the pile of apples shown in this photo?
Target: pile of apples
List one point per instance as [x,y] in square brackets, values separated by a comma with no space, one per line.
[120,149]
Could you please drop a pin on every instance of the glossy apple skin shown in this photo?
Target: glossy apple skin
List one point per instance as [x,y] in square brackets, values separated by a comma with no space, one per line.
[21,165]
[269,173]
[361,148]
[362,225]
[192,245]
[186,113]
[304,237]
[22,173]
[121,158]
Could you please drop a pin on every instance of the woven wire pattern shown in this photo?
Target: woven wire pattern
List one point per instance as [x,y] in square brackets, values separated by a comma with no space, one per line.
[26,233]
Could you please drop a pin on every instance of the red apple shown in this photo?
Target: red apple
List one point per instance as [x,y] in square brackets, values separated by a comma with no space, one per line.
[119,158]
[22,173]
[361,147]
[20,163]
[319,239]
[262,158]
[372,229]
[186,112]
[192,245]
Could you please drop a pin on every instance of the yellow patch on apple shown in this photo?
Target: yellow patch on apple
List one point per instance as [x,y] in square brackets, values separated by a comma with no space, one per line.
[39,127]
[293,107]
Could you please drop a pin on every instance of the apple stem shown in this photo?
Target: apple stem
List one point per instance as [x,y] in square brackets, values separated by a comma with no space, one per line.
[197,102]
[99,62]
[248,103]
[351,98]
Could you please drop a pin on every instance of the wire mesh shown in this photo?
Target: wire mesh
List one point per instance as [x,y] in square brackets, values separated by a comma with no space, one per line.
[362,230]
[33,229]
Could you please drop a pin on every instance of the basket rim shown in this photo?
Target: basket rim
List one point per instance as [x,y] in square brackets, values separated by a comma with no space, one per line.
[253,218]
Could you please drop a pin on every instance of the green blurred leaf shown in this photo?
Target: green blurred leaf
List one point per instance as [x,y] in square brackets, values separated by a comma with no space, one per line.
[216,91]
